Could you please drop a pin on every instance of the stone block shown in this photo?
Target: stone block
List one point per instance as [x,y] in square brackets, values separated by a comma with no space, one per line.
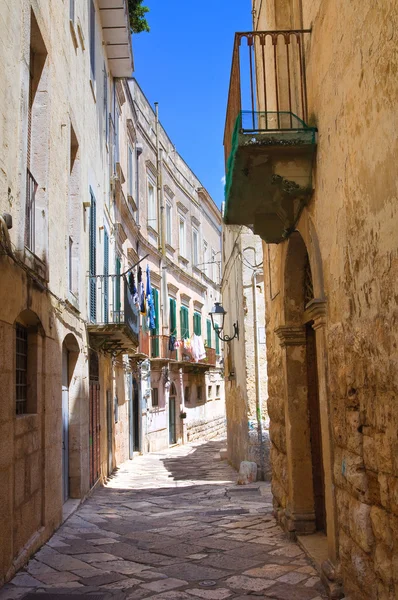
[381,526]
[247,472]
[369,452]
[360,524]
[383,563]
[384,453]
[223,454]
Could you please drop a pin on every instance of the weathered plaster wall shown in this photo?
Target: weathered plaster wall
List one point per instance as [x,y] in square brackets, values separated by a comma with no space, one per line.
[242,257]
[351,79]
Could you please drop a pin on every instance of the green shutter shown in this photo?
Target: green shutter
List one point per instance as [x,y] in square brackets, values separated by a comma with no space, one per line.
[117,291]
[93,258]
[173,316]
[208,323]
[184,322]
[155,332]
[197,323]
[217,342]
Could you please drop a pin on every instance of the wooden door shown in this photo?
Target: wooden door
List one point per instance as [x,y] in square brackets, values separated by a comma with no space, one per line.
[318,477]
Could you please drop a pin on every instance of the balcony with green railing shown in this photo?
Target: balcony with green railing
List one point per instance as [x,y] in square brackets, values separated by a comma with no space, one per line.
[269,146]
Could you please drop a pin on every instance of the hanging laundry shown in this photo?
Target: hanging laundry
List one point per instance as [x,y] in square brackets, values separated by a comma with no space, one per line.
[150,302]
[133,287]
[198,348]
[141,292]
[172,343]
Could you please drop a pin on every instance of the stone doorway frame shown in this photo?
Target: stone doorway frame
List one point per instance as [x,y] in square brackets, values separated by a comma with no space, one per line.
[300,515]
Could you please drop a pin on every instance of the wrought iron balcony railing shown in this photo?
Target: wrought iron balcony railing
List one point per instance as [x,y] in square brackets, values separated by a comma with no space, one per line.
[269,146]
[114,317]
[267,79]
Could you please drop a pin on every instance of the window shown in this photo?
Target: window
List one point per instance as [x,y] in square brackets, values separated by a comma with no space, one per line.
[106,105]
[21,379]
[70,264]
[92,40]
[173,316]
[199,392]
[168,223]
[184,322]
[155,397]
[205,268]
[130,171]
[208,325]
[152,206]
[213,270]
[93,258]
[197,323]
[182,240]
[117,128]
[217,391]
[209,391]
[187,395]
[117,307]
[195,246]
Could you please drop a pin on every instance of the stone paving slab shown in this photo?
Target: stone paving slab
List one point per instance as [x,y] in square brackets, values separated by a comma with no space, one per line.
[172,526]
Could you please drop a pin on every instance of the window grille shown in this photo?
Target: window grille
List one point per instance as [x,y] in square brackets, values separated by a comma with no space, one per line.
[21,371]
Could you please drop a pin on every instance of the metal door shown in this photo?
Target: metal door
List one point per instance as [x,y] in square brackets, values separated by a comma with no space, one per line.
[109,418]
[172,420]
[65,425]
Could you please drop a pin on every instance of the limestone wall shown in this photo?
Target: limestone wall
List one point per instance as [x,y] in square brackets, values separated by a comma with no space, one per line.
[349,228]
[204,430]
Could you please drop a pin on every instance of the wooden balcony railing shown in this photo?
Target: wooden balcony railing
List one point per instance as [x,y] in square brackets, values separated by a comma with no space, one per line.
[267,83]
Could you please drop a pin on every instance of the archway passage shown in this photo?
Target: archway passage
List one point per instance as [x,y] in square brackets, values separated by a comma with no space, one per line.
[172,415]
[305,457]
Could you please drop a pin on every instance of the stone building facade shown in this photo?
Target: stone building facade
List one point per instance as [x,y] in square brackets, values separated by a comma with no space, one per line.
[179,231]
[328,200]
[245,357]
[69,237]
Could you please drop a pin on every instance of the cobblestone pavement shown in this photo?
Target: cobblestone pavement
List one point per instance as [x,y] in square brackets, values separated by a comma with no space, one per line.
[172,526]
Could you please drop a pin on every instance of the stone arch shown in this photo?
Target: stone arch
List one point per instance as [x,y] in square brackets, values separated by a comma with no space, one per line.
[73,410]
[303,338]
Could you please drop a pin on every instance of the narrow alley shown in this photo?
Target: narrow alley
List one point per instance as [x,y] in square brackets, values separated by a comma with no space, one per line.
[172,525]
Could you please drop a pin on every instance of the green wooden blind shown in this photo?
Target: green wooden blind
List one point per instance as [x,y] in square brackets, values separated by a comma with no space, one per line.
[184,322]
[93,258]
[155,332]
[217,342]
[173,316]
[197,323]
[208,323]
[117,289]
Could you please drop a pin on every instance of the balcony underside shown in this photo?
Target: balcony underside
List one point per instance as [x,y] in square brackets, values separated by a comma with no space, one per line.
[113,338]
[269,180]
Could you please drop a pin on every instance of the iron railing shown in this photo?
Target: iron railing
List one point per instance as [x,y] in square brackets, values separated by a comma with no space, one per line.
[30,208]
[267,82]
[114,303]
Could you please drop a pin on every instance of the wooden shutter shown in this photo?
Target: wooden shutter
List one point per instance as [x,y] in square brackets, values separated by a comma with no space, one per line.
[173,316]
[208,323]
[184,320]
[155,332]
[217,342]
[117,288]
[106,277]
[197,323]
[93,258]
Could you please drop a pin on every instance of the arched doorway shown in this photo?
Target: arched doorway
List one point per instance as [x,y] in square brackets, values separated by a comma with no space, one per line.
[172,414]
[70,353]
[306,510]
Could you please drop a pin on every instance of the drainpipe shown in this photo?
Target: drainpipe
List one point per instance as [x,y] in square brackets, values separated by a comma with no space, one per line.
[257,373]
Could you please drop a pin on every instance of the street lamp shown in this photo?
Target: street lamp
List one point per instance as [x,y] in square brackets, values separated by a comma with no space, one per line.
[217,315]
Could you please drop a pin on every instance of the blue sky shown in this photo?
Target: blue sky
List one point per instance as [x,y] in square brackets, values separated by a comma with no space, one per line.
[184,64]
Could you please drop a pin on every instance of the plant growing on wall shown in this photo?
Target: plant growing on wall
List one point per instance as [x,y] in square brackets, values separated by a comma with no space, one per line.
[138,22]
